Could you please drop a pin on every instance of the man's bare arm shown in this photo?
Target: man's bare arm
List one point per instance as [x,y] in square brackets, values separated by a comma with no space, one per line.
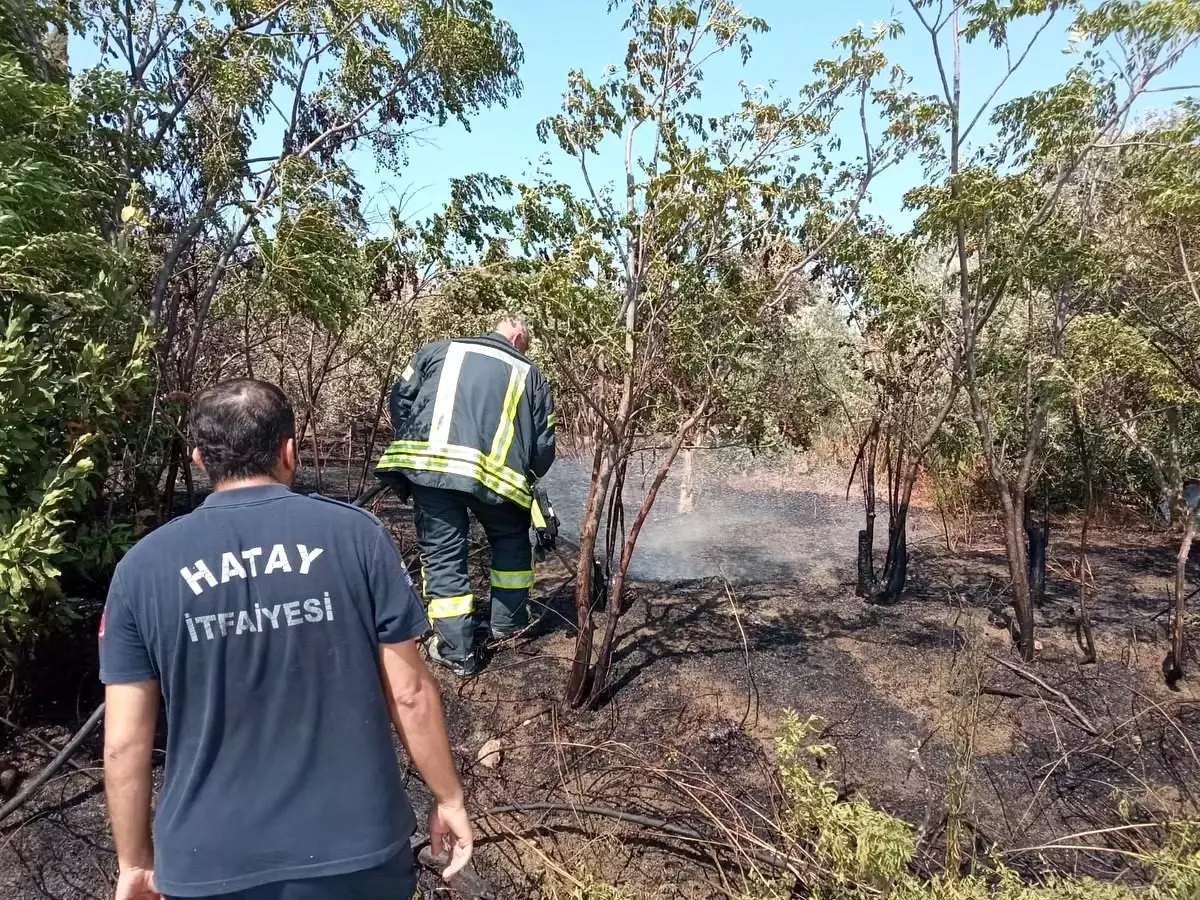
[130,716]
[416,710]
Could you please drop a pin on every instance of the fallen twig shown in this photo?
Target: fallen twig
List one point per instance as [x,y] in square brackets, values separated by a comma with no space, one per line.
[34,784]
[752,695]
[772,858]
[1083,721]
[49,746]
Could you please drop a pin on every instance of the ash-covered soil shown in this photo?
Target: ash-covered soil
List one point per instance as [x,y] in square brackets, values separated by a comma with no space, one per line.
[744,609]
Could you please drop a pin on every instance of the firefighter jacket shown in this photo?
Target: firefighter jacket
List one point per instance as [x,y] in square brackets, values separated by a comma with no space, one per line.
[472,415]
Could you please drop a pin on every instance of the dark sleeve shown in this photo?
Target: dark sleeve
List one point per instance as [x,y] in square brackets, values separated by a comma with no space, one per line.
[544,426]
[398,613]
[124,656]
[404,392]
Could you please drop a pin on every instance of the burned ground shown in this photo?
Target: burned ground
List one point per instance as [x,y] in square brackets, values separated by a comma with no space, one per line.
[707,667]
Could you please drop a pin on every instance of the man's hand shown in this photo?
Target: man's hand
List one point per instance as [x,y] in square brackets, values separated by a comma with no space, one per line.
[136,884]
[450,830]
[412,695]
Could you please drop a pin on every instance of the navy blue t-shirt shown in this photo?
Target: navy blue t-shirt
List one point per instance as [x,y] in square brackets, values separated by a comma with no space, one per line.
[261,615]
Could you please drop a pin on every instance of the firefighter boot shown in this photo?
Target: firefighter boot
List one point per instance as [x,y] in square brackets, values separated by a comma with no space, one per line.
[443,533]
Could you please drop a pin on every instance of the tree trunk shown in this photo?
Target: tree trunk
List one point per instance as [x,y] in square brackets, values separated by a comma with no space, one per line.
[1018,568]
[1085,636]
[176,453]
[1038,537]
[866,563]
[867,584]
[687,495]
[370,448]
[316,443]
[189,485]
[895,572]
[577,682]
[1173,664]
[617,605]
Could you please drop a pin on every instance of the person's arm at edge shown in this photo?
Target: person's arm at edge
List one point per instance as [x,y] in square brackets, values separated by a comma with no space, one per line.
[416,710]
[544,420]
[405,390]
[130,717]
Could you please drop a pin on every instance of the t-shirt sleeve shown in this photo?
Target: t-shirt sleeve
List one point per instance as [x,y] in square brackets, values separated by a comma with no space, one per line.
[398,613]
[124,656]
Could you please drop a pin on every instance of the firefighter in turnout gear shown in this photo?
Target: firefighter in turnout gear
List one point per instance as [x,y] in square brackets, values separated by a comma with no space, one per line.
[474,428]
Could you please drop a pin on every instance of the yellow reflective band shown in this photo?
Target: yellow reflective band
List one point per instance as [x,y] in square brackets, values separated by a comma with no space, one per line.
[451,607]
[508,415]
[457,460]
[466,470]
[407,374]
[456,452]
[551,420]
[505,483]
[535,513]
[513,581]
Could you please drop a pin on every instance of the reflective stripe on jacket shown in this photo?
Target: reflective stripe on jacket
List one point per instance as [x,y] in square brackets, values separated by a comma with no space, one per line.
[472,415]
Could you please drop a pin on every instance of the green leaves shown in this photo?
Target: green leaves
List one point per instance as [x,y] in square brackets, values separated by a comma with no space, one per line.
[72,350]
[238,119]
[1155,26]
[1053,126]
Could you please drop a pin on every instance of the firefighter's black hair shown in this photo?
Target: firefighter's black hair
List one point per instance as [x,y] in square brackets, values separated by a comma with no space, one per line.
[239,427]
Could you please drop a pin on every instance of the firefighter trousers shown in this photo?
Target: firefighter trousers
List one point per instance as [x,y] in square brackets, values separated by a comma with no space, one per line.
[443,534]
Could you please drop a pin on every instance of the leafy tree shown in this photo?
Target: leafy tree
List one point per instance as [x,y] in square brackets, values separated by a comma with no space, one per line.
[73,367]
[909,364]
[245,113]
[1025,260]
[1150,200]
[658,299]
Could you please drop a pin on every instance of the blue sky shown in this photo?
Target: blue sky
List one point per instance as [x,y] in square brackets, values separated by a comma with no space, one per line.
[560,35]
[580,34]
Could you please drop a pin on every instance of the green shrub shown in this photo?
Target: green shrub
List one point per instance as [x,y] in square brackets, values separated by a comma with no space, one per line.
[590,889]
[853,845]
[73,356]
[855,852]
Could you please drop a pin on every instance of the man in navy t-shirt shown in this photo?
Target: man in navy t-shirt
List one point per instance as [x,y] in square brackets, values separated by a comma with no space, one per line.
[280,632]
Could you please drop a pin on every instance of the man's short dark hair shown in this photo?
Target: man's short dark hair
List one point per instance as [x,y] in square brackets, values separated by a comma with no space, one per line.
[238,426]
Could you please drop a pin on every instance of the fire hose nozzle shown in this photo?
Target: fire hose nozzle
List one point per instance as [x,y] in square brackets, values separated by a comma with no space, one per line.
[545,523]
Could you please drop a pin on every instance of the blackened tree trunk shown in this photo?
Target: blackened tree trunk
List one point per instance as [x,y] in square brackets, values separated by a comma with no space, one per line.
[895,573]
[618,603]
[602,467]
[1038,537]
[866,562]
[866,537]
